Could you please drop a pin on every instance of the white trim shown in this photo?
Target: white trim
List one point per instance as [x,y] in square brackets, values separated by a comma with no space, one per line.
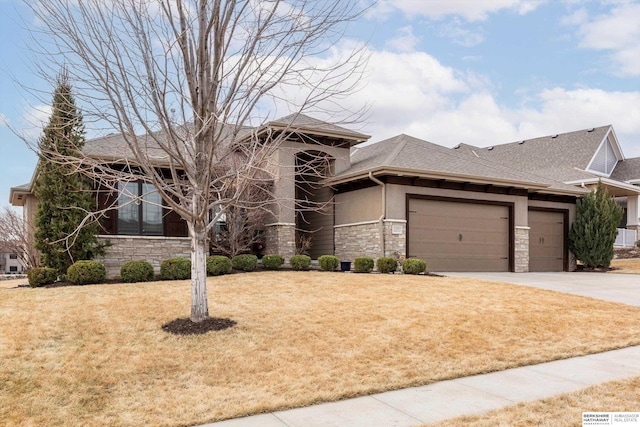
[617,151]
[522,227]
[607,181]
[404,221]
[281,224]
[353,224]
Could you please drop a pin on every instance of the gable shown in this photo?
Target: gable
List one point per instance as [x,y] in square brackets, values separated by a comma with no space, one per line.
[606,157]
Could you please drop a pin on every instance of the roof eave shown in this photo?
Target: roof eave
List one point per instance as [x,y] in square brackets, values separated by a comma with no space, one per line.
[439,175]
[625,187]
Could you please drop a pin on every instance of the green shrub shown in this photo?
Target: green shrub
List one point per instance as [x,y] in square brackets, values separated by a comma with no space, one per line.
[175,269]
[386,264]
[86,272]
[300,262]
[363,265]
[41,276]
[413,266]
[244,262]
[218,265]
[272,262]
[328,262]
[136,271]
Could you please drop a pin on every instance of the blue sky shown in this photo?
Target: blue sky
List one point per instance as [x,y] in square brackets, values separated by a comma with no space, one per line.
[477,71]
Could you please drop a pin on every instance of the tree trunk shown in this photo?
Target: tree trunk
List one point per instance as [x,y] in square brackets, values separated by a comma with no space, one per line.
[199,303]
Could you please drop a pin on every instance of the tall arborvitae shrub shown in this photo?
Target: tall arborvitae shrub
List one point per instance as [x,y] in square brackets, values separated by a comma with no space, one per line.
[64,196]
[593,232]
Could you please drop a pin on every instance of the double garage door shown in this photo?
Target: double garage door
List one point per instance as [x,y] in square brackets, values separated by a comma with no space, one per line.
[454,235]
[460,236]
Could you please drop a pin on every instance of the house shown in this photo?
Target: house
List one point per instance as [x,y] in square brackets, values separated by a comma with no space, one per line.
[502,208]
[10,262]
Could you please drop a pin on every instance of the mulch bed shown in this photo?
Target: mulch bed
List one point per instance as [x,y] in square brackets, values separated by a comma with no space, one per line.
[184,326]
[626,253]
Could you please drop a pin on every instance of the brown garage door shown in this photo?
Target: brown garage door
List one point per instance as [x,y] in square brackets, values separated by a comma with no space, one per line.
[457,236]
[546,241]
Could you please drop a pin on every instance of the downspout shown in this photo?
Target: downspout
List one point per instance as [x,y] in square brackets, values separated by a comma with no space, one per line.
[384,210]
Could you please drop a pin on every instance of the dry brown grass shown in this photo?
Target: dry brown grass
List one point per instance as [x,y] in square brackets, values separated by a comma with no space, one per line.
[560,411]
[630,266]
[12,283]
[96,355]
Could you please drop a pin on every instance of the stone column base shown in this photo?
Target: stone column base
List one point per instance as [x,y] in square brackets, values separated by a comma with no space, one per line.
[280,238]
[521,264]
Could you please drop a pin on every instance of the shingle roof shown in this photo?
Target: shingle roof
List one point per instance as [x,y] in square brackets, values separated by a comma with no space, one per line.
[303,122]
[114,147]
[627,170]
[562,157]
[405,152]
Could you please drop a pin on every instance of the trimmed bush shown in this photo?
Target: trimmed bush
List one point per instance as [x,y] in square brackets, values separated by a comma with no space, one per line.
[300,262]
[41,276]
[175,269]
[86,272]
[328,262]
[413,266]
[363,265]
[386,264]
[272,262]
[244,262]
[136,271]
[218,265]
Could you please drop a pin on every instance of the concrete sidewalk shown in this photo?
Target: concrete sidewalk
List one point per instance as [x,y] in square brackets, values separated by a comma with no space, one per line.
[461,396]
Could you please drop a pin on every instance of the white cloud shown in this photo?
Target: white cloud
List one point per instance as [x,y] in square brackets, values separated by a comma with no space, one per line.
[470,10]
[617,32]
[414,93]
[455,31]
[34,120]
[404,40]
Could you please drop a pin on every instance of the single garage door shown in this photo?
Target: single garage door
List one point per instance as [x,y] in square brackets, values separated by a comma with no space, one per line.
[459,236]
[546,240]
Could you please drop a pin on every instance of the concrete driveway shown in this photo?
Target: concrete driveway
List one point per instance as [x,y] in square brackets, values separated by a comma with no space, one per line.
[624,288]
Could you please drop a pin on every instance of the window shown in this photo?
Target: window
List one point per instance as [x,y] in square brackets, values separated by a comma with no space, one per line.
[139,209]
[13,256]
[13,269]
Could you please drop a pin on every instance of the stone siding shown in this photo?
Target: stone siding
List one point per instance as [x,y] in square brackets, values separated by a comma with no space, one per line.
[521,264]
[395,239]
[280,239]
[357,240]
[153,249]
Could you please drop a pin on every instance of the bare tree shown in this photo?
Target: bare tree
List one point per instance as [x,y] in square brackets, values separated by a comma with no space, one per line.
[197,78]
[15,236]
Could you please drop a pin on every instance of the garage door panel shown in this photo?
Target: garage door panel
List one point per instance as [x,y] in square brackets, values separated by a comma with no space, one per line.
[455,236]
[546,240]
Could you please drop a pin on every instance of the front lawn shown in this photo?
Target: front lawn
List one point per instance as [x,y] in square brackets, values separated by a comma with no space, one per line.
[563,410]
[626,266]
[96,355]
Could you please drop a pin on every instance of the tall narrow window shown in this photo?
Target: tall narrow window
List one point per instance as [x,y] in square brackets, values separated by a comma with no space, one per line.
[139,209]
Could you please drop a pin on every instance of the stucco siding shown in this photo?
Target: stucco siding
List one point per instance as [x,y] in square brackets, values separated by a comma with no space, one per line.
[358,206]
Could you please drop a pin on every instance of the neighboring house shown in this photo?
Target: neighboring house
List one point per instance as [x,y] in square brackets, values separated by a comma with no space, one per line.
[502,208]
[10,262]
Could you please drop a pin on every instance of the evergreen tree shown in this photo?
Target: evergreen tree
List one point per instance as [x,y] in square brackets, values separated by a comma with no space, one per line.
[64,195]
[593,233]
